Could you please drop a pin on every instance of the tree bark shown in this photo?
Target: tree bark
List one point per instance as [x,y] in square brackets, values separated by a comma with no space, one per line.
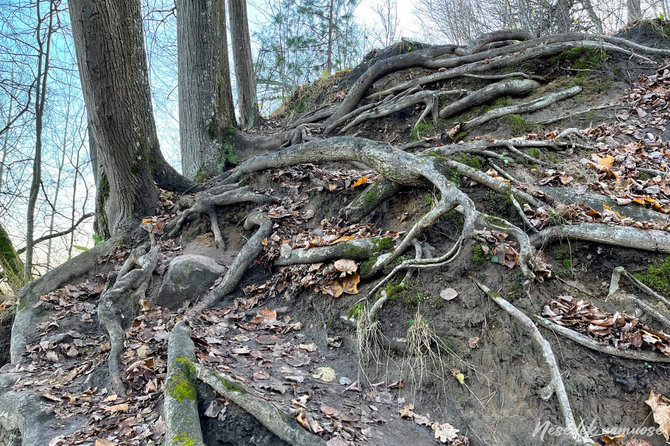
[244,69]
[634,10]
[12,266]
[206,113]
[115,82]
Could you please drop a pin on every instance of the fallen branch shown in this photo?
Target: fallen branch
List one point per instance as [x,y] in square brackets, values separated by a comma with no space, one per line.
[556,380]
[279,423]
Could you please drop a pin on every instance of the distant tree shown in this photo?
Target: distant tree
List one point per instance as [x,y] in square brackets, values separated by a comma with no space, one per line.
[387,15]
[245,79]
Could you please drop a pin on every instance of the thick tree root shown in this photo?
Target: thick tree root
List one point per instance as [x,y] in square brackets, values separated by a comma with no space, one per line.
[645,288]
[278,422]
[27,418]
[181,399]
[29,295]
[239,266]
[129,281]
[357,249]
[488,94]
[368,200]
[526,107]
[623,236]
[637,355]
[205,202]
[556,380]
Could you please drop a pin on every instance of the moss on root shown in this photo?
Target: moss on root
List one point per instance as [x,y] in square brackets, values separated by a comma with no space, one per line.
[657,276]
[181,385]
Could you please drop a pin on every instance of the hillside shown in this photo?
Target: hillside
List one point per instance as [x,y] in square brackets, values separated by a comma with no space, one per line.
[468,247]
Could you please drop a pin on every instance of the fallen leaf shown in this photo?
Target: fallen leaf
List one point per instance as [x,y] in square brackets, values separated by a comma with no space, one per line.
[472,342]
[448,294]
[103,442]
[361,180]
[346,266]
[118,408]
[308,347]
[444,432]
[660,406]
[407,411]
[324,374]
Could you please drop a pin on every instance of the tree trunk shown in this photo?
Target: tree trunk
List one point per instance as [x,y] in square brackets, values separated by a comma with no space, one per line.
[244,69]
[329,56]
[12,266]
[115,82]
[634,10]
[206,113]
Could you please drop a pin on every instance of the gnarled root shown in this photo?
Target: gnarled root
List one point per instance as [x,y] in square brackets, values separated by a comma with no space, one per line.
[556,380]
[129,283]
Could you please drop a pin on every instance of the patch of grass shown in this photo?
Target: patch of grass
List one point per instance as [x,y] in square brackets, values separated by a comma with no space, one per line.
[426,128]
[519,126]
[534,152]
[657,276]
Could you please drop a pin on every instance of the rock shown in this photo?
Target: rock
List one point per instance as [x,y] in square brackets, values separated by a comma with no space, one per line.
[188,278]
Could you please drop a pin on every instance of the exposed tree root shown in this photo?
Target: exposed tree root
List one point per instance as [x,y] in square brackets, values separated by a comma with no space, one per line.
[128,281]
[485,95]
[204,202]
[623,236]
[239,266]
[637,355]
[30,294]
[509,56]
[357,249]
[645,288]
[526,107]
[368,200]
[396,166]
[556,380]
[182,420]
[575,114]
[482,41]
[27,418]
[279,423]
[386,108]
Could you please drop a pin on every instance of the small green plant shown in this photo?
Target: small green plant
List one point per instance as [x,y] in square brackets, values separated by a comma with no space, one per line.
[476,162]
[355,311]
[428,199]
[97,239]
[534,152]
[647,367]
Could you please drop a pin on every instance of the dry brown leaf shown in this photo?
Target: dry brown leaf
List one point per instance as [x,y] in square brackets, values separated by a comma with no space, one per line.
[346,266]
[118,408]
[448,294]
[472,342]
[407,411]
[444,432]
[660,406]
[104,442]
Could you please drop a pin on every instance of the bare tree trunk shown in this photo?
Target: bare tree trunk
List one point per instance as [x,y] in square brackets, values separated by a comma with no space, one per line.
[329,55]
[113,72]
[206,113]
[43,49]
[593,16]
[11,263]
[244,69]
[634,10]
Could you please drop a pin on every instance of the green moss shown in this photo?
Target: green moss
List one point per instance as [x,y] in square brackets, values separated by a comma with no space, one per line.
[383,244]
[519,126]
[455,218]
[181,385]
[183,439]
[428,199]
[534,152]
[406,294]
[657,276]
[479,258]
[476,162]
[426,128]
[366,267]
[232,386]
